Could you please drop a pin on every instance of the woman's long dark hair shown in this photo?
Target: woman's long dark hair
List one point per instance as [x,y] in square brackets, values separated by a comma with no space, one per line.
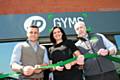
[51,35]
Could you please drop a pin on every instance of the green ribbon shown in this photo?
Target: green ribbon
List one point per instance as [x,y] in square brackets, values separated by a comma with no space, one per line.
[11,74]
[113,58]
[62,63]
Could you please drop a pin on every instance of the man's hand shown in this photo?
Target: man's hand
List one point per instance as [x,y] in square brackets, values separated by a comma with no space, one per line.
[28,70]
[103,52]
[37,70]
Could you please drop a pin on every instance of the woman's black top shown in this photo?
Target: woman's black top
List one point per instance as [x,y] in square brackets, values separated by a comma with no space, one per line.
[61,52]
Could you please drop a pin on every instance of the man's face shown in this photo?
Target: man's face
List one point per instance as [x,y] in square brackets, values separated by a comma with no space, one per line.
[81,30]
[33,34]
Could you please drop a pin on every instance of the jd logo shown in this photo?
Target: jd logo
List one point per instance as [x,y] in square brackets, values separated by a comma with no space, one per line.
[37,21]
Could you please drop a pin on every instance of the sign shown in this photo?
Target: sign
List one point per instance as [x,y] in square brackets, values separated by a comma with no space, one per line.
[12,26]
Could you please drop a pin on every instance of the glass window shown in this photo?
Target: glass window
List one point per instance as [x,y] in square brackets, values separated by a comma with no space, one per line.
[117,39]
[5,56]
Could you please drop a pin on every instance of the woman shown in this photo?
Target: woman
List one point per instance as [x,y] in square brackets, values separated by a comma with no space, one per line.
[61,50]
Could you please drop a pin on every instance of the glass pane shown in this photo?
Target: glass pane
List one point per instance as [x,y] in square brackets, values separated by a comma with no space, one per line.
[5,56]
[117,39]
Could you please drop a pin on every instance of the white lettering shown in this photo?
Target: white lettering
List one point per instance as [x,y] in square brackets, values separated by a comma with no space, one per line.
[64,22]
[80,19]
[56,21]
[71,21]
[67,21]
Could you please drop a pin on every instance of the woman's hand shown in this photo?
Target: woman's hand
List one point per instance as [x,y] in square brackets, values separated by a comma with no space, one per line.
[58,68]
[68,66]
[80,60]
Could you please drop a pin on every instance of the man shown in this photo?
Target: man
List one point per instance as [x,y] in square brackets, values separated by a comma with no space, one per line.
[29,55]
[96,68]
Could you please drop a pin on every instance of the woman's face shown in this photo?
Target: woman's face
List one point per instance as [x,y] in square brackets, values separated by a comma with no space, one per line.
[57,34]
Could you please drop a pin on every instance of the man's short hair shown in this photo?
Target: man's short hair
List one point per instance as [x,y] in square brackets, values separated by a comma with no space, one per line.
[77,24]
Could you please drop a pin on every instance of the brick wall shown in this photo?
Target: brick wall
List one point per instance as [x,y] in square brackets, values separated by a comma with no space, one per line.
[47,6]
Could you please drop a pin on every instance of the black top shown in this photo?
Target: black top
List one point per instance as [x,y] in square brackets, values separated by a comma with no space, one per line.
[61,52]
